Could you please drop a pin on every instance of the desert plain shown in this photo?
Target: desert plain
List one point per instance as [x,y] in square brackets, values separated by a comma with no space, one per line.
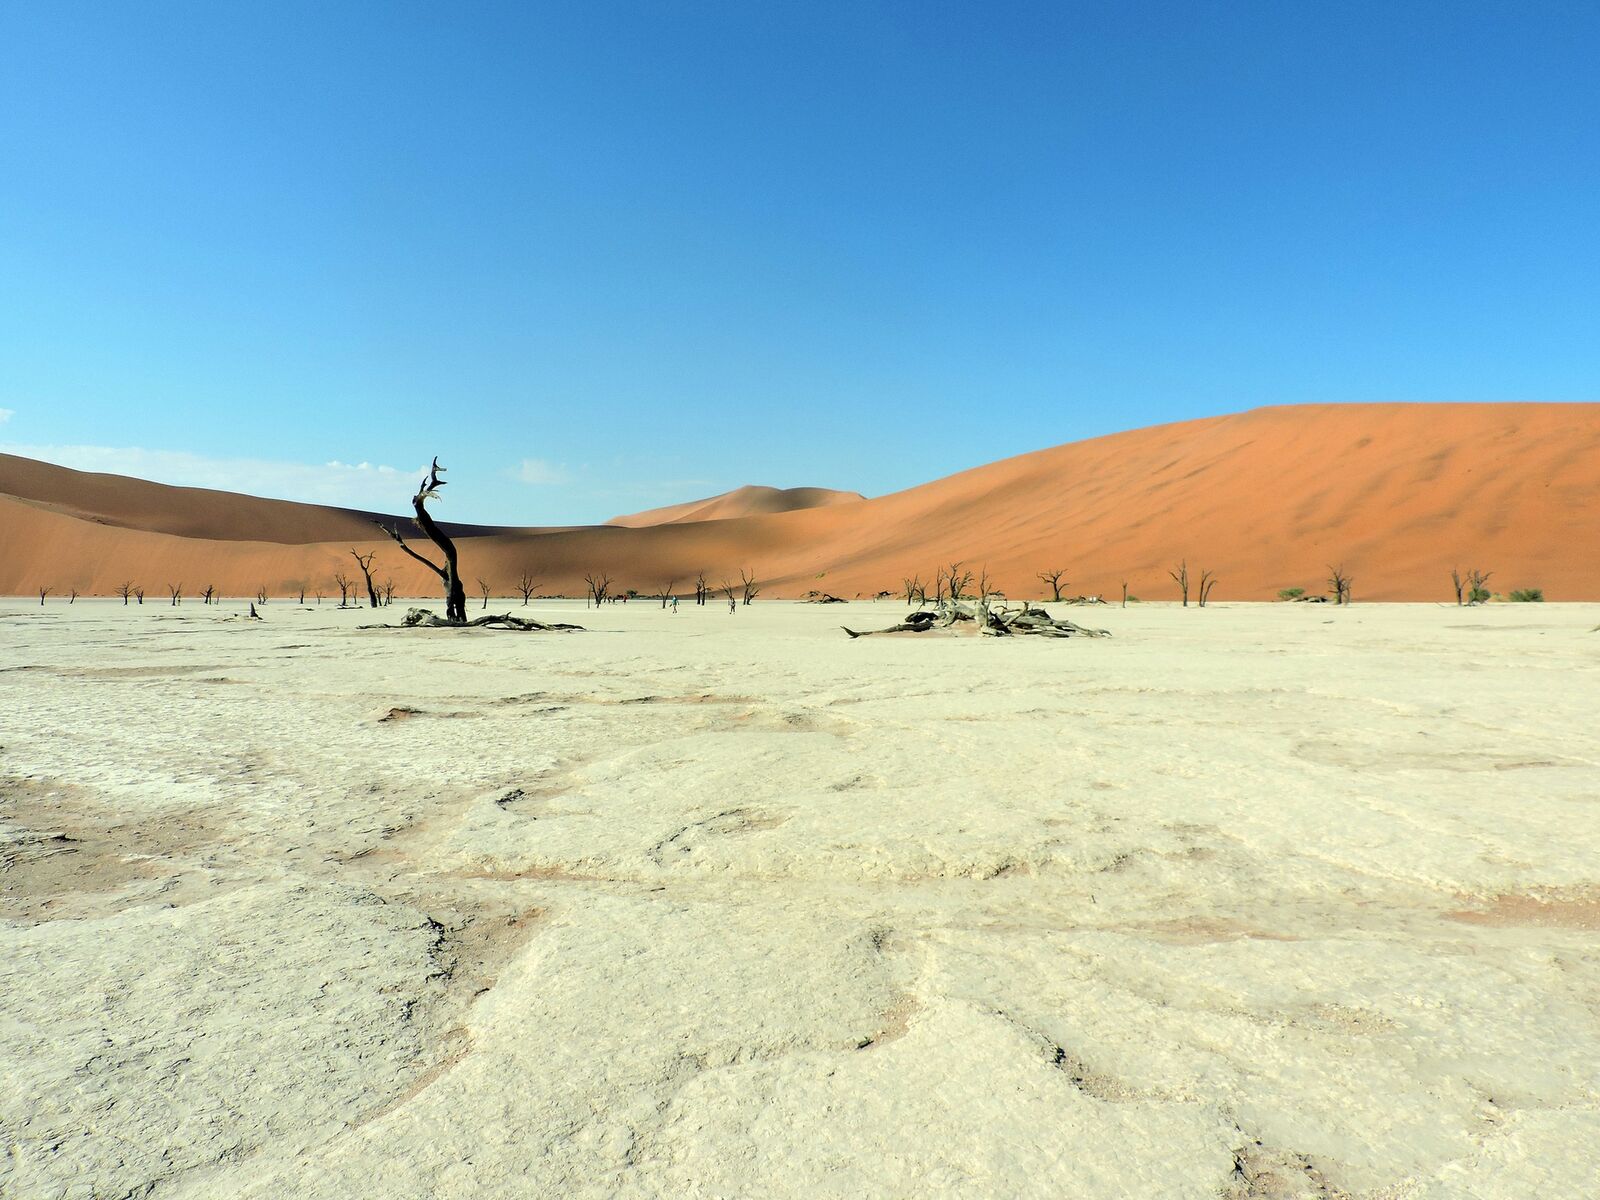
[1255,900]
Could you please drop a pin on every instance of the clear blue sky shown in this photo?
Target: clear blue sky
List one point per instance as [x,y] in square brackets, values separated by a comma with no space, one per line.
[599,257]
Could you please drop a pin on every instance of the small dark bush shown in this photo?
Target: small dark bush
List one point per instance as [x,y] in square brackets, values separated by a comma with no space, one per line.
[1290,593]
[1528,595]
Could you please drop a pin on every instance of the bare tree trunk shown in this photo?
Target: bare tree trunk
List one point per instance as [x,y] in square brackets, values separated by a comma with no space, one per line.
[364,561]
[1181,578]
[455,596]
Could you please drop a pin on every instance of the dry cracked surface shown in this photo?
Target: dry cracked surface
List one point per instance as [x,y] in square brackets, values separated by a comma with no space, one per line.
[1260,901]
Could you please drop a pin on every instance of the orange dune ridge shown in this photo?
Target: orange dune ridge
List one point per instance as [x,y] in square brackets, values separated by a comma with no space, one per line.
[1396,493]
[748,501]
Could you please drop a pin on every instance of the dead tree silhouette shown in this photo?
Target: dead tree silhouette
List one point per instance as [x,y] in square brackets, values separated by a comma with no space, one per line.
[455,596]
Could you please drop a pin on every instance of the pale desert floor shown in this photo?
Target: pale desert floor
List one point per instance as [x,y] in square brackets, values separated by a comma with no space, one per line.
[1252,901]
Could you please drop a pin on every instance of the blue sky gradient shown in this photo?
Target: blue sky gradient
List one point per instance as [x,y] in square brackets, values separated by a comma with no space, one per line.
[600,257]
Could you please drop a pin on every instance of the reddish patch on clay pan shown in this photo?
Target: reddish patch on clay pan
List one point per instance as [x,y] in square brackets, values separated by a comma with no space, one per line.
[1561,908]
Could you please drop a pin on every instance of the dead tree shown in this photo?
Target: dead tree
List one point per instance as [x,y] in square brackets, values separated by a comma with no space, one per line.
[138,594]
[175,590]
[455,596]
[748,582]
[599,585]
[1477,579]
[342,581]
[1053,578]
[1457,583]
[210,594]
[261,595]
[364,561]
[914,591]
[527,585]
[318,595]
[1181,578]
[43,592]
[72,597]
[125,590]
[1207,582]
[1124,593]
[1339,582]
[483,590]
[727,589]
[984,586]
[387,591]
[954,581]
[700,589]
[666,592]
[302,593]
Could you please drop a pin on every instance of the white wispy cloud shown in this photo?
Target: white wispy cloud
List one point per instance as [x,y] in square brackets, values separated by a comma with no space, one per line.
[538,472]
[6,414]
[354,485]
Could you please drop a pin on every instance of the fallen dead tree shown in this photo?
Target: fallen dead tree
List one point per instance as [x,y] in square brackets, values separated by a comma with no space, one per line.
[993,620]
[426,618]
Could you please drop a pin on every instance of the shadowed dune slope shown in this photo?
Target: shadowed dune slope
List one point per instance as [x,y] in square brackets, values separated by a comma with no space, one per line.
[1397,493]
[125,503]
[748,501]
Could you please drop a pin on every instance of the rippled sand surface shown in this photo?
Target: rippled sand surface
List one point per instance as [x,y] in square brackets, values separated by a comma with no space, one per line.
[1251,901]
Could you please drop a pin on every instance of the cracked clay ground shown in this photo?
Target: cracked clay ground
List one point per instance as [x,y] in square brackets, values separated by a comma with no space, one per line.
[1260,901]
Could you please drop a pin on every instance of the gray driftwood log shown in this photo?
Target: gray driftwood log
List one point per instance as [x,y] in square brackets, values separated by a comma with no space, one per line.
[994,620]
[426,618]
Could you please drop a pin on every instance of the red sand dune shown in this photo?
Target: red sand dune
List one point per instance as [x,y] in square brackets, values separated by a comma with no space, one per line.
[1397,493]
[748,501]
